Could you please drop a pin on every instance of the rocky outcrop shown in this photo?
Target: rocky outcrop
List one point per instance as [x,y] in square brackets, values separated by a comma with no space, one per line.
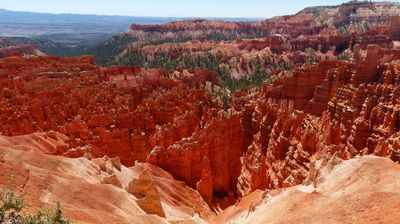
[209,160]
[113,180]
[47,179]
[109,111]
[281,148]
[193,25]
[21,47]
[348,110]
[19,51]
[244,50]
[356,110]
[295,91]
[345,187]
[146,192]
[265,140]
[127,113]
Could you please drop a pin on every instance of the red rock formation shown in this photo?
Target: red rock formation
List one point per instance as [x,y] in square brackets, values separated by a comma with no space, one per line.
[295,91]
[267,139]
[329,31]
[146,190]
[109,111]
[344,187]
[197,24]
[347,108]
[394,28]
[358,107]
[209,159]
[18,47]
[18,51]
[99,187]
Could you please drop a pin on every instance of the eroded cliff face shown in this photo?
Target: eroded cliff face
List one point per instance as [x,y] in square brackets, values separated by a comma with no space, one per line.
[130,113]
[310,21]
[343,189]
[111,111]
[265,140]
[95,190]
[360,118]
[251,49]
[20,47]
[209,159]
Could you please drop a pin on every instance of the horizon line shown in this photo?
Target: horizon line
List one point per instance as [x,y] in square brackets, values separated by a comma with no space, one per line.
[141,16]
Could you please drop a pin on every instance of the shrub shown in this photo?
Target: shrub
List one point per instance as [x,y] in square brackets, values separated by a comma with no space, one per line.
[343,31]
[344,56]
[311,55]
[44,217]
[234,84]
[12,205]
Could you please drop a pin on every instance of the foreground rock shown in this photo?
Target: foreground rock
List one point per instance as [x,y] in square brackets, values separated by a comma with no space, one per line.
[85,197]
[360,190]
[149,198]
[364,187]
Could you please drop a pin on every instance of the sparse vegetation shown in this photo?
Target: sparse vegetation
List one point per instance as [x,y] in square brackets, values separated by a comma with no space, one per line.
[13,204]
[343,31]
[208,61]
[283,64]
[234,84]
[160,61]
[363,27]
[151,40]
[344,56]
[311,56]
[106,52]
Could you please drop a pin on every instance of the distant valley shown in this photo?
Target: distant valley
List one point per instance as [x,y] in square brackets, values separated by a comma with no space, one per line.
[72,34]
[73,29]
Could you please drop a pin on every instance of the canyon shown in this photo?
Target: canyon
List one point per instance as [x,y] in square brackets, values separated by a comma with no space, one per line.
[173,131]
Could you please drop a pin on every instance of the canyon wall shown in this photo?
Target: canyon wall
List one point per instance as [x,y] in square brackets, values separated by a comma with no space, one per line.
[328,94]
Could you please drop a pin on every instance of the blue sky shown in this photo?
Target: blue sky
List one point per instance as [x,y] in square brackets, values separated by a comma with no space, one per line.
[180,8]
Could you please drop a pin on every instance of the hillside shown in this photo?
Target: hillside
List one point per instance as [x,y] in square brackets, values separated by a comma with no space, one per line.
[252,52]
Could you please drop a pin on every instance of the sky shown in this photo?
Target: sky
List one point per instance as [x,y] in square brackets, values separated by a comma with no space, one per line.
[168,8]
